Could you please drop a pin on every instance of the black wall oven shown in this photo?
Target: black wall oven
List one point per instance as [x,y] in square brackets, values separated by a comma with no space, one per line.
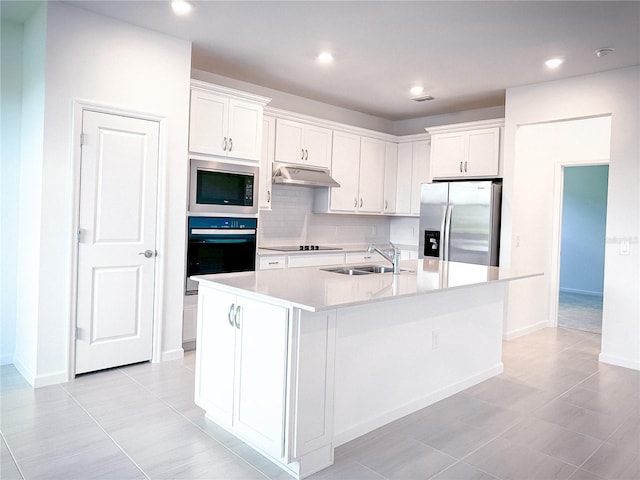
[219,245]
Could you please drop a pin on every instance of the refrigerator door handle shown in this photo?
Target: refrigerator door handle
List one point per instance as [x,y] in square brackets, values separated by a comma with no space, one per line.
[447,231]
[443,229]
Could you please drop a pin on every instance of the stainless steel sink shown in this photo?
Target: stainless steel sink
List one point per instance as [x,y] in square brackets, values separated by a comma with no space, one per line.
[363,269]
[348,271]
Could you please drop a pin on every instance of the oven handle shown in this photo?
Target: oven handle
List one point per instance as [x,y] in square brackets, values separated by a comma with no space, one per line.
[222,231]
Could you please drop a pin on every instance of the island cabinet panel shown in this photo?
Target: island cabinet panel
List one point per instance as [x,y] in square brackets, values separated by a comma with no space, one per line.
[314,370]
[241,366]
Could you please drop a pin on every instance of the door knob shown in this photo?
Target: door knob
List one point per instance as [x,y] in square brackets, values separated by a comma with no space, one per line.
[147,253]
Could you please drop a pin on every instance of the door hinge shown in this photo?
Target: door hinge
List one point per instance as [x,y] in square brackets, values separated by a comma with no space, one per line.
[76,333]
[78,235]
[82,139]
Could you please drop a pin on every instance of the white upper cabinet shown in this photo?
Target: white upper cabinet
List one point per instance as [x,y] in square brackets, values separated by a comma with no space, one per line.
[371,175]
[225,122]
[413,170]
[266,161]
[470,150]
[303,144]
[345,169]
[390,177]
[358,166]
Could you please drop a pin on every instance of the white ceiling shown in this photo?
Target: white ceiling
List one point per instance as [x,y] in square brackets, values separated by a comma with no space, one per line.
[464,53]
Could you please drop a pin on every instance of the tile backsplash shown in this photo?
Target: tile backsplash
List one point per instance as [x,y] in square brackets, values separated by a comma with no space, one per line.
[291,221]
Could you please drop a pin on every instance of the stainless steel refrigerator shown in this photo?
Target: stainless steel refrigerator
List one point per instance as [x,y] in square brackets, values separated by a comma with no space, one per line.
[460,221]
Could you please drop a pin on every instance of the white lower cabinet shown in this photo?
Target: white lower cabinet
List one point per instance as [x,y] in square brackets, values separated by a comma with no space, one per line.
[264,372]
[241,367]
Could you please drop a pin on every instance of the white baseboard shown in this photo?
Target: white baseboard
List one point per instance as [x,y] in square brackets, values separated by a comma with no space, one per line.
[619,361]
[190,345]
[38,381]
[345,436]
[524,331]
[176,354]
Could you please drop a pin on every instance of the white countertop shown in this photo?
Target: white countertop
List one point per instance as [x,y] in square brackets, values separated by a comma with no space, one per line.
[314,289]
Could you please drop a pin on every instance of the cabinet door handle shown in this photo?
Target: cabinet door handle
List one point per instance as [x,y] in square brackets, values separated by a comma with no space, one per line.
[302,154]
[460,167]
[306,154]
[386,204]
[268,196]
[360,202]
[224,144]
[236,317]
[230,143]
[355,202]
[231,309]
[465,166]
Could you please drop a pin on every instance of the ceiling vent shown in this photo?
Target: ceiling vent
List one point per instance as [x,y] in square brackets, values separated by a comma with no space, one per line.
[422,98]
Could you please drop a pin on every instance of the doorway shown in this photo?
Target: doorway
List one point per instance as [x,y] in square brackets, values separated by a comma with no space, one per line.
[583,227]
[116,255]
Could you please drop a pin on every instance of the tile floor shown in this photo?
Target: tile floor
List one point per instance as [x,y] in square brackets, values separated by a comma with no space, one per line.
[554,413]
[579,311]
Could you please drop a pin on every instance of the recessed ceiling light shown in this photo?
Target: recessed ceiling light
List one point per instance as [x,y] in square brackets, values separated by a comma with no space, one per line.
[325,57]
[553,63]
[180,7]
[423,98]
[417,90]
[602,52]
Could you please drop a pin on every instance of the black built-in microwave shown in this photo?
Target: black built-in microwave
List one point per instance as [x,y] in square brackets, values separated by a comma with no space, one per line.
[220,188]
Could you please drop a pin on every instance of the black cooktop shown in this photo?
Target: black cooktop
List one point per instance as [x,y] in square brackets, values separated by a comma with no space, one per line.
[298,248]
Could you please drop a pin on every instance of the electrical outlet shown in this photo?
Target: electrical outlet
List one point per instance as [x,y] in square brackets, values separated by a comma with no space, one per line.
[624,247]
[435,339]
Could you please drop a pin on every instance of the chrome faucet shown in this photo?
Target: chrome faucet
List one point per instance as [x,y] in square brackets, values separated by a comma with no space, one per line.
[395,259]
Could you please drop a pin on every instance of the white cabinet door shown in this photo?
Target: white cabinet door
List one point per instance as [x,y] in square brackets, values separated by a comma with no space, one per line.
[371,176]
[215,354]
[266,161]
[471,153]
[390,177]
[289,141]
[241,366]
[317,146]
[420,172]
[224,126]
[303,144]
[208,123]
[448,155]
[483,153]
[405,168]
[245,130]
[261,372]
[345,167]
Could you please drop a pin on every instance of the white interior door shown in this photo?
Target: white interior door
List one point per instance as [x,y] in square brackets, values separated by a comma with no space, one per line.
[117,238]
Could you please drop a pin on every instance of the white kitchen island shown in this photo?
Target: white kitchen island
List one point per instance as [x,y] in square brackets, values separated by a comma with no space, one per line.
[298,361]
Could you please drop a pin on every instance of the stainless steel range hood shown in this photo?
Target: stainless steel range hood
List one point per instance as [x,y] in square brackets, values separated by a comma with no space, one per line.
[303,176]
